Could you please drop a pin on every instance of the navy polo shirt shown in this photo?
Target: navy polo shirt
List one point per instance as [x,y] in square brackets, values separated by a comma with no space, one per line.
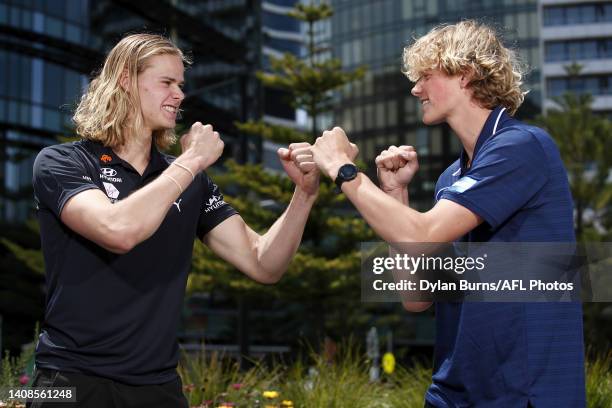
[109,315]
[510,354]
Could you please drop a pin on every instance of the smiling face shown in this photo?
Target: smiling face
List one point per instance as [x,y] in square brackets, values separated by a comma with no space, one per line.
[160,91]
[439,94]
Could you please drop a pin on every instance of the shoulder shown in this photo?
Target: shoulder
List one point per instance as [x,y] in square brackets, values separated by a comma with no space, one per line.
[446,178]
[64,152]
[523,135]
[520,142]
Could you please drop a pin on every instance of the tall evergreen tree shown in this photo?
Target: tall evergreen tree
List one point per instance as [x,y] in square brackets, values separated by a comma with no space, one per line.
[322,283]
[585,142]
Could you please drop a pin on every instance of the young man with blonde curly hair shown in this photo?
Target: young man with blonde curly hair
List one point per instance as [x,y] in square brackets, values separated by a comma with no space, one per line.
[509,185]
[118,219]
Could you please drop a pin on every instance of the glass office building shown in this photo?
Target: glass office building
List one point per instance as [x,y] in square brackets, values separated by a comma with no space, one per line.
[50,48]
[577,32]
[44,55]
[379,110]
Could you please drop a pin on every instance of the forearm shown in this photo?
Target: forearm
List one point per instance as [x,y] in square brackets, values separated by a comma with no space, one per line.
[387,214]
[140,214]
[278,245]
[400,195]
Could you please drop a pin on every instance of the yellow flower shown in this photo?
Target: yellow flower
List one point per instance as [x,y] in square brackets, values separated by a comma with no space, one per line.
[270,394]
[270,406]
[388,363]
[287,404]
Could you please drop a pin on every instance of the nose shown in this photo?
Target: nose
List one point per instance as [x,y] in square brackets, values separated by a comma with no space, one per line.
[179,94]
[416,89]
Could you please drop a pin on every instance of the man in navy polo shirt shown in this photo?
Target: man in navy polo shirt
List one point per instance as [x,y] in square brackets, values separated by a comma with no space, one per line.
[509,185]
[118,219]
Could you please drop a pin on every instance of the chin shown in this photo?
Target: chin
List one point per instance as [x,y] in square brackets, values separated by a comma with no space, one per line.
[432,121]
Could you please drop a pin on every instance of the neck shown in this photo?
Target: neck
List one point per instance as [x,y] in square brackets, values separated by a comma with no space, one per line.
[467,123]
[136,150]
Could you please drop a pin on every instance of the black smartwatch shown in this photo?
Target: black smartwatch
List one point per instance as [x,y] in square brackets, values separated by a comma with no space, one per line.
[346,172]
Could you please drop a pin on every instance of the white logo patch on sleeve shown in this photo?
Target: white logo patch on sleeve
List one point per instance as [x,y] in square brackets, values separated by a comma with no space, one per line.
[463,184]
[111,190]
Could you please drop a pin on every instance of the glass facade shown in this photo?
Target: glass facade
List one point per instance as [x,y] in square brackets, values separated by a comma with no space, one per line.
[49,48]
[281,34]
[66,20]
[379,110]
[596,85]
[580,33]
[572,14]
[37,91]
[572,50]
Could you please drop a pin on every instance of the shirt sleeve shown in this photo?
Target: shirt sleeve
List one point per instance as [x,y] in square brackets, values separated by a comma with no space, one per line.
[505,176]
[214,209]
[58,176]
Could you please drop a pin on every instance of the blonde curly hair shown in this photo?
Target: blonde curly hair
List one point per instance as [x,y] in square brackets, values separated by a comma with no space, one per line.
[106,112]
[470,47]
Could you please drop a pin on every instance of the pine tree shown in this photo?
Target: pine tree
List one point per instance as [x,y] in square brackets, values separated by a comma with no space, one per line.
[324,278]
[584,142]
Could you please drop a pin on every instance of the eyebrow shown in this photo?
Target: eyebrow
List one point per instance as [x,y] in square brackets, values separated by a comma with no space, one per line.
[173,79]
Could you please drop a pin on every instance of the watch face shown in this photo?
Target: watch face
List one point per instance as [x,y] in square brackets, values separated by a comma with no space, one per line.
[348,172]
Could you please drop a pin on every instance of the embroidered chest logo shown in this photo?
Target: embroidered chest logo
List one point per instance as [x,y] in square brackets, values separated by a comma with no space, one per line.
[105,158]
[178,204]
[106,173]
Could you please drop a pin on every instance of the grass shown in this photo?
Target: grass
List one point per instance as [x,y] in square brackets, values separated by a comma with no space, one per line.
[315,382]
[212,381]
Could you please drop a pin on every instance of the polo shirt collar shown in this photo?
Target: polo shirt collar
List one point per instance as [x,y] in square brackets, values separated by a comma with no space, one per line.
[492,125]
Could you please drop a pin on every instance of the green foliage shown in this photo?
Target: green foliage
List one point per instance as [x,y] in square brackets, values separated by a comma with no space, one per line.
[584,143]
[599,381]
[274,133]
[341,381]
[14,367]
[310,83]
[31,257]
[324,275]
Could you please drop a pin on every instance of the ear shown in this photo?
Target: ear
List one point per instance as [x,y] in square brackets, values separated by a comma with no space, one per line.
[124,81]
[466,78]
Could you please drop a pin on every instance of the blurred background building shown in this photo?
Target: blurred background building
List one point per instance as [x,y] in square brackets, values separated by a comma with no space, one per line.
[49,50]
[380,111]
[577,32]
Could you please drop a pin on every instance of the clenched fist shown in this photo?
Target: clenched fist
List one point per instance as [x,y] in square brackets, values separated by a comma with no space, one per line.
[396,167]
[203,144]
[332,150]
[299,164]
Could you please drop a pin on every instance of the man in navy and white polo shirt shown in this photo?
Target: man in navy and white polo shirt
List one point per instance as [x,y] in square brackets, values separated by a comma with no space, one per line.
[509,185]
[118,220]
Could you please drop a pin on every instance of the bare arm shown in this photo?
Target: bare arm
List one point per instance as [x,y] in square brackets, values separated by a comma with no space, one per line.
[264,258]
[388,217]
[396,167]
[120,226]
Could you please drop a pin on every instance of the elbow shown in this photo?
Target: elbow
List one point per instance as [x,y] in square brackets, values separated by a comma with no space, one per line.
[120,239]
[119,248]
[416,306]
[267,278]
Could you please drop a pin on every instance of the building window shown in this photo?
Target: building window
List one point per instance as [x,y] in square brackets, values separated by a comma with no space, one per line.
[594,84]
[577,14]
[578,50]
